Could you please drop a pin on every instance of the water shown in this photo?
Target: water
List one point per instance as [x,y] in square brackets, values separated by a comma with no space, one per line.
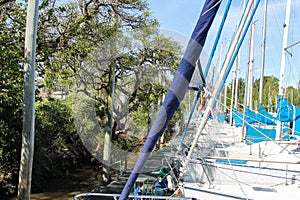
[66,187]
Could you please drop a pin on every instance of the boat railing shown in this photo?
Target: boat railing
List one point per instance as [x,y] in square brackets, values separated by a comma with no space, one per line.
[116,196]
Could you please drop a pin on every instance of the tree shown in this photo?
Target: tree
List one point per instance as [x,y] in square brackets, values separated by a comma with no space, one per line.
[100,39]
[70,33]
[70,37]
[58,148]
[241,93]
[89,41]
[270,92]
[11,91]
[135,69]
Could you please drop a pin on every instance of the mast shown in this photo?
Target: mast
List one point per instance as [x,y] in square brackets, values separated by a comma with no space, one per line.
[237,81]
[263,53]
[225,97]
[283,60]
[232,96]
[251,63]
[269,100]
[249,78]
[208,65]
[232,53]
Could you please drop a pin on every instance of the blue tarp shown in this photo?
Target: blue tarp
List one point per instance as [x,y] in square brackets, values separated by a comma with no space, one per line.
[256,134]
[237,117]
[251,116]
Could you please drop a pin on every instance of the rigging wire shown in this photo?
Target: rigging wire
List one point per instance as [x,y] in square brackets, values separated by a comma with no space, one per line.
[276,170]
[270,139]
[207,68]
[258,113]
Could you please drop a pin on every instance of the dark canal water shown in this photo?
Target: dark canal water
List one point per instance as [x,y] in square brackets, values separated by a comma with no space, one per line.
[66,187]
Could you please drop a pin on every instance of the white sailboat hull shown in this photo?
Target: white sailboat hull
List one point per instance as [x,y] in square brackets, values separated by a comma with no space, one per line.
[271,176]
[235,192]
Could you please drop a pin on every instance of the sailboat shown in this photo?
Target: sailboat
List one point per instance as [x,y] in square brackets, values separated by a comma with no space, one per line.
[265,166]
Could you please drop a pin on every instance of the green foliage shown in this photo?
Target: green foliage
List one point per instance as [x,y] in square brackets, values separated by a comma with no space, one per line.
[240,93]
[270,93]
[169,133]
[293,95]
[67,34]
[90,120]
[147,95]
[9,158]
[11,57]
[131,144]
[70,31]
[57,147]
[76,43]
[12,16]
[11,53]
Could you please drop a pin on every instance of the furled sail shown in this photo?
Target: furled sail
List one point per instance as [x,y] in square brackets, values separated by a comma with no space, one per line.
[177,89]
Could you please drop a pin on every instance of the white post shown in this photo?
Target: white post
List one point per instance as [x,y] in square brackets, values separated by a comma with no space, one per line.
[25,174]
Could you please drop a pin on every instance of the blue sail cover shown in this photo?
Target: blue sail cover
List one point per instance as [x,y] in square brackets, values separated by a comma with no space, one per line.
[251,116]
[265,117]
[239,117]
[286,112]
[262,117]
[257,134]
[177,89]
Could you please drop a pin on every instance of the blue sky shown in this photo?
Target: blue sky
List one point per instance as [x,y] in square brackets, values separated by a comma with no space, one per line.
[180,17]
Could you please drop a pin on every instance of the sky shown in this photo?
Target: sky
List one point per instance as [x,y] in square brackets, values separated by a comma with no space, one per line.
[177,19]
